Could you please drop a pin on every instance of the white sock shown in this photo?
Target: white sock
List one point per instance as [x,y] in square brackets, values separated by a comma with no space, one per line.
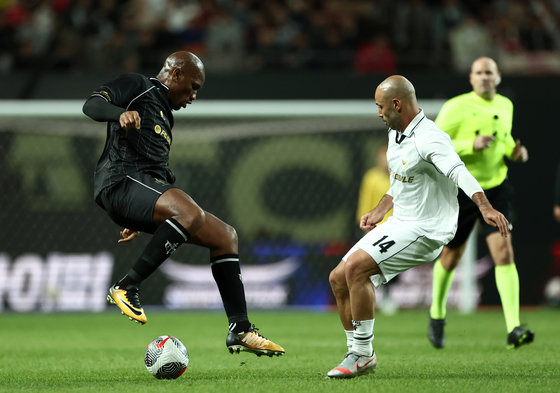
[363,336]
[349,338]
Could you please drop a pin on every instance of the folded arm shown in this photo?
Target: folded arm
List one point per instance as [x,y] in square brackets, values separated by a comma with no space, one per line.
[100,109]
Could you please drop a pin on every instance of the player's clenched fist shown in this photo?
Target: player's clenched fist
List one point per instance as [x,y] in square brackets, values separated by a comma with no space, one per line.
[128,235]
[370,220]
[130,120]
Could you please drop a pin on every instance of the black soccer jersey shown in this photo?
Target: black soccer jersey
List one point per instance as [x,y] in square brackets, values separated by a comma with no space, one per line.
[145,150]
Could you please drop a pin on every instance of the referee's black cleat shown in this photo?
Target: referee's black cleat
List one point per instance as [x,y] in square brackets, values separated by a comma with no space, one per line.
[127,300]
[436,335]
[519,336]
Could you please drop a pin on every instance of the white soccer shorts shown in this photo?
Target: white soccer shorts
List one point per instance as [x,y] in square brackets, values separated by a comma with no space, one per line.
[397,246]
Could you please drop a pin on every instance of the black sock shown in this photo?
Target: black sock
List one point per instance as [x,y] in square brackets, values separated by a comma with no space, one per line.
[227,273]
[166,239]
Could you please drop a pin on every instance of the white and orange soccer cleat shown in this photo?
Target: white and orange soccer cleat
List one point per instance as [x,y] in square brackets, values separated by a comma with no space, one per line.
[354,365]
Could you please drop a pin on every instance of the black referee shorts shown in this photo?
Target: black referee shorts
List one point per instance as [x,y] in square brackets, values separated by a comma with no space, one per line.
[500,199]
[130,202]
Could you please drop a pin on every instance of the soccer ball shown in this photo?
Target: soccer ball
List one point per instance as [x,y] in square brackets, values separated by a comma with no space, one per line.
[552,291]
[166,357]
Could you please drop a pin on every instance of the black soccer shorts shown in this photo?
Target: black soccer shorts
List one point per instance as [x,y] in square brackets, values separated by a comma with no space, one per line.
[500,199]
[130,202]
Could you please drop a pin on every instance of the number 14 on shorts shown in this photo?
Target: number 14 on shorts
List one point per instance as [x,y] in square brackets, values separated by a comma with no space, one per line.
[384,245]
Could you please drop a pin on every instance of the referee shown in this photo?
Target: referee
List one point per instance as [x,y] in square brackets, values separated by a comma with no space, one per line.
[479,124]
[134,185]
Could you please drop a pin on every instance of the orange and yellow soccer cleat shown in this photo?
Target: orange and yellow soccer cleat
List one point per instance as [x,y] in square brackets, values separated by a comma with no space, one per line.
[253,342]
[127,300]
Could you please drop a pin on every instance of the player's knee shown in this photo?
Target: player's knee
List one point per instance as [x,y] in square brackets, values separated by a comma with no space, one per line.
[192,219]
[353,269]
[197,218]
[337,279]
[450,259]
[451,264]
[230,236]
[503,257]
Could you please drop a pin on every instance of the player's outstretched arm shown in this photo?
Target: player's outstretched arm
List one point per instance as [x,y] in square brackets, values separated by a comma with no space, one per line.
[464,179]
[491,215]
[372,218]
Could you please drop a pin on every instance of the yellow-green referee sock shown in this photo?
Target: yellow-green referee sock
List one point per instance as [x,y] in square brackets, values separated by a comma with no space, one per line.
[507,281]
[440,288]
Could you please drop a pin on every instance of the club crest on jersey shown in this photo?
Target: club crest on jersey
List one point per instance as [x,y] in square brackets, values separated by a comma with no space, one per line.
[160,131]
[404,162]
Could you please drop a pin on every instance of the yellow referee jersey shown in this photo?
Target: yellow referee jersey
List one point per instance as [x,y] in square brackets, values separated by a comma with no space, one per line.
[467,116]
[375,185]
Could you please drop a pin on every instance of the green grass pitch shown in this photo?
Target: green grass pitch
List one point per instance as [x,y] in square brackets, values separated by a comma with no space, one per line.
[104,353]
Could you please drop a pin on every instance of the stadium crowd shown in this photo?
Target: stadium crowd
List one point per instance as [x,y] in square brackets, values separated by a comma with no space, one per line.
[376,36]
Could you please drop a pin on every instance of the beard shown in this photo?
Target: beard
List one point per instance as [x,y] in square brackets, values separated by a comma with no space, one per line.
[394,121]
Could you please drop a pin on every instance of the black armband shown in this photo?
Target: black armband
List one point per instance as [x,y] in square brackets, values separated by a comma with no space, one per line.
[101,110]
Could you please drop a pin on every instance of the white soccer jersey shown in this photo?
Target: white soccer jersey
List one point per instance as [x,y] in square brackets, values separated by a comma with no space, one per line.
[421,161]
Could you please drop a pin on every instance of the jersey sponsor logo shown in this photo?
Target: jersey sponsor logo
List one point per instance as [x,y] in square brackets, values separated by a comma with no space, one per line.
[404,179]
[160,131]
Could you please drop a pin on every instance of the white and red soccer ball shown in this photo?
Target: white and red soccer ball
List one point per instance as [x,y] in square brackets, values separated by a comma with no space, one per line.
[166,357]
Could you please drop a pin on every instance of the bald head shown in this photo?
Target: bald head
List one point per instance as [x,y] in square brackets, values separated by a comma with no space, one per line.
[397,86]
[184,74]
[396,101]
[484,62]
[185,61]
[485,77]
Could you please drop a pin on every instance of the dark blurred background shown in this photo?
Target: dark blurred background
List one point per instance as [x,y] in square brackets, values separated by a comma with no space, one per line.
[258,50]
[380,36]
[46,46]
